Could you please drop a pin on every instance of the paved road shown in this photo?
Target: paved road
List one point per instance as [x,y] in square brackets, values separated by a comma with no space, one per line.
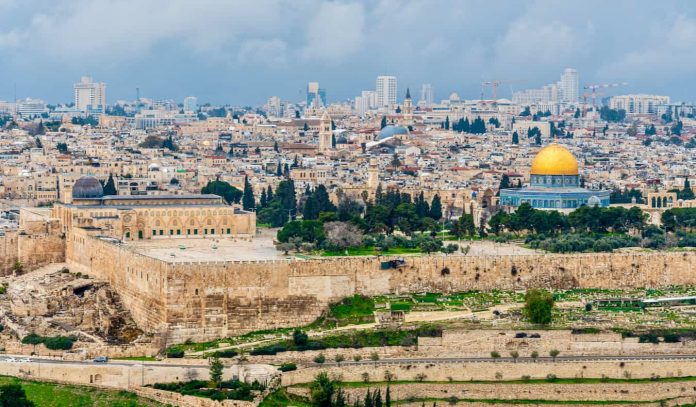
[4,359]
[617,358]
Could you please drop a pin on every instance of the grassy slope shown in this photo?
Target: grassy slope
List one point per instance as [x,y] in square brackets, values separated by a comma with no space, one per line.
[61,395]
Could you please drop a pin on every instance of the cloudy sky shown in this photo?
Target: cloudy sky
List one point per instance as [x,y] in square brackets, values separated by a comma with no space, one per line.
[242,52]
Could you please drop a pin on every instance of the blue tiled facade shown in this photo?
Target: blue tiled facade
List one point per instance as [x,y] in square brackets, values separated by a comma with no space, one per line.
[554,192]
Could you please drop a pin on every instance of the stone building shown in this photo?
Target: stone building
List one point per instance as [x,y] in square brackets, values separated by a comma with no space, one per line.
[151,216]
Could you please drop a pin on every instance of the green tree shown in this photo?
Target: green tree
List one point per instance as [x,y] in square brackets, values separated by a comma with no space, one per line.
[110,186]
[577,113]
[216,369]
[383,123]
[515,138]
[12,395]
[248,200]
[305,128]
[62,147]
[538,306]
[322,391]
[687,192]
[537,139]
[221,188]
[436,208]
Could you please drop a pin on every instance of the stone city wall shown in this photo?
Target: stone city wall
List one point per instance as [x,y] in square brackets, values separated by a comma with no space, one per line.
[9,252]
[492,371]
[543,391]
[140,281]
[207,300]
[34,251]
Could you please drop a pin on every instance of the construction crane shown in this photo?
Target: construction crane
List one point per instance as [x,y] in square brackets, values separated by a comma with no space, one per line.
[584,100]
[594,88]
[494,86]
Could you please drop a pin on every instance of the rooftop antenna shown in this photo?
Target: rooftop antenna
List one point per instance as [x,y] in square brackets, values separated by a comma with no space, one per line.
[137,94]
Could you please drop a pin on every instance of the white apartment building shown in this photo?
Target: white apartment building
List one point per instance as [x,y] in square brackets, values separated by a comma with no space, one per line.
[190,104]
[366,101]
[89,95]
[638,104]
[31,107]
[427,95]
[566,90]
[569,86]
[7,107]
[386,91]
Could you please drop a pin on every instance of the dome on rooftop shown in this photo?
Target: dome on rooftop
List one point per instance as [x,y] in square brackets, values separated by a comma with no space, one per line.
[554,159]
[390,131]
[87,188]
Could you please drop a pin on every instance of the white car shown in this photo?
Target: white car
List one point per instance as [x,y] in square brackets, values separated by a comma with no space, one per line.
[11,360]
[25,360]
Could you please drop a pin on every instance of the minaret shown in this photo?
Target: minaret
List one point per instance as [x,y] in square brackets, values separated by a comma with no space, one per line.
[325,132]
[372,174]
[408,109]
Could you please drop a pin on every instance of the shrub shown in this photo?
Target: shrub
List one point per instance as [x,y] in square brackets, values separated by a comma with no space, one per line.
[320,358]
[227,353]
[175,352]
[287,367]
[669,338]
[538,304]
[32,339]
[59,342]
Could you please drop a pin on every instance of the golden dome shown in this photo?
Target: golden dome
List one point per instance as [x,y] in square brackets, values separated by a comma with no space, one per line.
[554,159]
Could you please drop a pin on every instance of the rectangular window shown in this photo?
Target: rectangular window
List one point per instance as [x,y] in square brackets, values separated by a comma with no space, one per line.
[228,231]
[154,232]
[161,232]
[195,231]
[212,231]
[188,231]
[205,231]
[178,232]
[171,232]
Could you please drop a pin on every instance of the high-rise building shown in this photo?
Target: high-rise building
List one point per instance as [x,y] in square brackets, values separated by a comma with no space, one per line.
[316,96]
[90,97]
[569,86]
[366,101]
[550,97]
[386,91]
[190,104]
[638,104]
[427,95]
[274,107]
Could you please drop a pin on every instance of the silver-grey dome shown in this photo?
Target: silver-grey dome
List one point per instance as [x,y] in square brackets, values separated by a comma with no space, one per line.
[390,131]
[87,188]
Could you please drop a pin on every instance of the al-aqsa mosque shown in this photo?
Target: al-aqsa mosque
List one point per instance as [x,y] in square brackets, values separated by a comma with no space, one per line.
[554,184]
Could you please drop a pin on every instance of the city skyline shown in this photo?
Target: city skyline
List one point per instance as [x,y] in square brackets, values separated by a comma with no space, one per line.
[342,45]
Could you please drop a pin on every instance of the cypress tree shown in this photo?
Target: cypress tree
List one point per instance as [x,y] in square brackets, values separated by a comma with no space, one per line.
[515,138]
[436,208]
[110,186]
[263,201]
[248,200]
[387,398]
[383,123]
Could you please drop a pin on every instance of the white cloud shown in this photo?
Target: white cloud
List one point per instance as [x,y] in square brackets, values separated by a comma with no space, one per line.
[263,52]
[335,32]
[670,49]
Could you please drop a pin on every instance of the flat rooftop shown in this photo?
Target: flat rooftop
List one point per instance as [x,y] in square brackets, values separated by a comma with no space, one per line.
[178,250]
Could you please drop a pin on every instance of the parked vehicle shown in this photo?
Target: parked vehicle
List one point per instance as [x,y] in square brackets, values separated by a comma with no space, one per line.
[101,359]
